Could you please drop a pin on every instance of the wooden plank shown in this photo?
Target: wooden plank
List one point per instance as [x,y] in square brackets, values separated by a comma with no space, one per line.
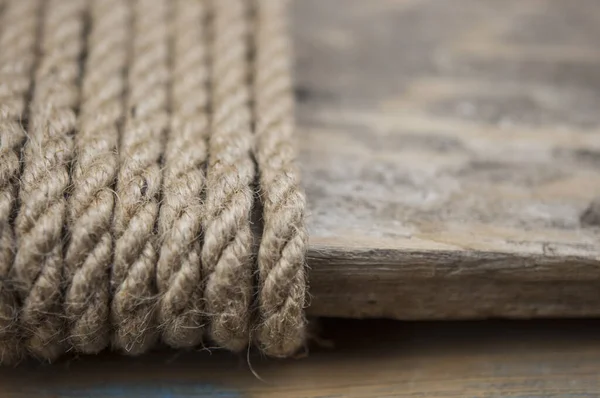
[450,150]
[370,359]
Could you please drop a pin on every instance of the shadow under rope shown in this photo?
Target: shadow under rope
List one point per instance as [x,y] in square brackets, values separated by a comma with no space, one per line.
[383,357]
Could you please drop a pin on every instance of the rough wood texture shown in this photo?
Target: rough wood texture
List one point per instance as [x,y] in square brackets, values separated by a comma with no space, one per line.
[370,359]
[450,150]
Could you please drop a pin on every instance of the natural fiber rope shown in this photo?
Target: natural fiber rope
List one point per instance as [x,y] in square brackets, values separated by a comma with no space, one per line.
[228,240]
[179,276]
[139,180]
[126,207]
[17,56]
[89,254]
[282,286]
[42,214]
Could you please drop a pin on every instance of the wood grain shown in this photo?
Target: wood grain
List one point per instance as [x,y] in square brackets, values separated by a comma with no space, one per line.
[370,359]
[450,150]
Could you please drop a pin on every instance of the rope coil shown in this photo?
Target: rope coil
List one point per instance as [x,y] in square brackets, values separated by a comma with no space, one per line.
[138,140]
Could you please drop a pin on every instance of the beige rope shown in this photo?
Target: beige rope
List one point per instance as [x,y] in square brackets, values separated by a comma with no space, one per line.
[134,197]
[89,255]
[39,261]
[282,285]
[139,181]
[17,56]
[179,271]
[226,254]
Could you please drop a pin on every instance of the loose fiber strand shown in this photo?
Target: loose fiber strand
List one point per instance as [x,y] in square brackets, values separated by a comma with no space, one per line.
[19,25]
[89,254]
[41,217]
[281,257]
[179,277]
[228,241]
[133,281]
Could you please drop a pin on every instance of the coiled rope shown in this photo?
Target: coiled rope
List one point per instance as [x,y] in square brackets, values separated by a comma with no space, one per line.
[139,139]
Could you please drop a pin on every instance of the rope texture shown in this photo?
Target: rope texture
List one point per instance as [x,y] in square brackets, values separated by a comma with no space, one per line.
[139,181]
[282,286]
[134,138]
[228,240]
[179,275]
[41,217]
[17,57]
[89,254]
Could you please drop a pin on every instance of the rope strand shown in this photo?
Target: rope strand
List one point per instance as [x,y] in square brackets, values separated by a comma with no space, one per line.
[17,57]
[139,181]
[179,271]
[282,279]
[89,255]
[228,241]
[39,225]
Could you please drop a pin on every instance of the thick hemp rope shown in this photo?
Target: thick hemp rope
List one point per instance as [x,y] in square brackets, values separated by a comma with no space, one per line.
[41,217]
[282,287]
[19,24]
[138,141]
[228,240]
[139,180]
[89,255]
[179,275]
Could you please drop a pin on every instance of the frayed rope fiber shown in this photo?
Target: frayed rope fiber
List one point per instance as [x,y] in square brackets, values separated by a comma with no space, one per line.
[140,140]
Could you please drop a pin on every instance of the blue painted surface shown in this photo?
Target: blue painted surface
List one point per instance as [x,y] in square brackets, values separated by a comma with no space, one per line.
[175,390]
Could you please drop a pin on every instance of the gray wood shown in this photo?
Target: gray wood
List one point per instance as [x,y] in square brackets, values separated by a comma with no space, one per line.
[451,154]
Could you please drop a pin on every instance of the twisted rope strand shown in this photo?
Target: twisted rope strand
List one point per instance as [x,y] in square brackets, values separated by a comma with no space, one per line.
[282,279]
[227,250]
[39,261]
[179,271]
[139,180]
[17,57]
[89,255]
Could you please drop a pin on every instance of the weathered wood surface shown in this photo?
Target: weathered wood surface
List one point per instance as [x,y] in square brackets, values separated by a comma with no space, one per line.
[370,359]
[449,150]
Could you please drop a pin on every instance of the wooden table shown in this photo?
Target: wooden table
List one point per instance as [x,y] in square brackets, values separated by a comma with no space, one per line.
[450,151]
[371,359]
